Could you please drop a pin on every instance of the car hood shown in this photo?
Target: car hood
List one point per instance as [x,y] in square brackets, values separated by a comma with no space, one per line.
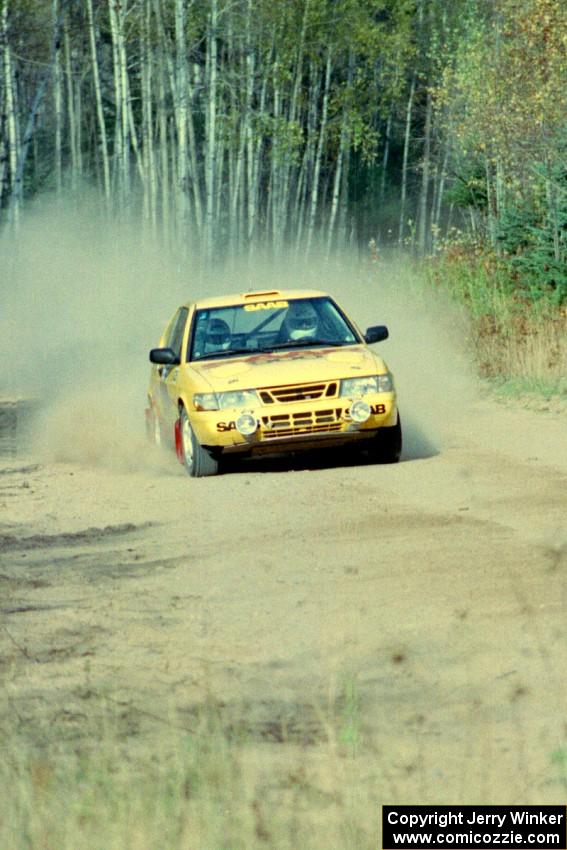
[293,366]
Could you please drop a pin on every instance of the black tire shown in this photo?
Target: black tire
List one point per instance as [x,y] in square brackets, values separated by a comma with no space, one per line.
[197,460]
[386,447]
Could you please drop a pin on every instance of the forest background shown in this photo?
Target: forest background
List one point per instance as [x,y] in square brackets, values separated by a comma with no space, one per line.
[306,125]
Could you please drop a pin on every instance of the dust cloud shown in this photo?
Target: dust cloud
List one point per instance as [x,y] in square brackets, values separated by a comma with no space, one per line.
[85,298]
[429,350]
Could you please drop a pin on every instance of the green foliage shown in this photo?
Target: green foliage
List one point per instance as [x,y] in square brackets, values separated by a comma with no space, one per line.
[533,237]
[476,278]
[518,333]
[469,186]
[504,99]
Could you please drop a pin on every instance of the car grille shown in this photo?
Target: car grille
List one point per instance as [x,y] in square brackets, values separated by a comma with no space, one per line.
[298,392]
[297,424]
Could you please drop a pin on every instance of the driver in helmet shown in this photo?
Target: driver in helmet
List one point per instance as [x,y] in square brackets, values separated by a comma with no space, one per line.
[300,322]
[217,336]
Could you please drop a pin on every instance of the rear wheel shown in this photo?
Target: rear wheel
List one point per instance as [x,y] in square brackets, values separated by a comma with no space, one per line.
[386,447]
[196,459]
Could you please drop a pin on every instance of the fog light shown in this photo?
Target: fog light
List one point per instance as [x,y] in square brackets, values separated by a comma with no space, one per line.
[246,424]
[359,411]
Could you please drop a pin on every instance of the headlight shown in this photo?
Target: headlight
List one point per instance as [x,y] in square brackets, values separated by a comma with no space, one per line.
[355,387]
[205,401]
[238,398]
[221,401]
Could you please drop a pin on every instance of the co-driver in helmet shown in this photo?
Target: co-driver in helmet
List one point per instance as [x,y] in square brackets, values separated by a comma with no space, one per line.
[217,336]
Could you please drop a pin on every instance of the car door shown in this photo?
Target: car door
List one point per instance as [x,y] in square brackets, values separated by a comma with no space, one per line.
[168,375]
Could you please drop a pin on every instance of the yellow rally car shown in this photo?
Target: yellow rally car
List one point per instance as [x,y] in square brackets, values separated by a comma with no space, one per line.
[269,372]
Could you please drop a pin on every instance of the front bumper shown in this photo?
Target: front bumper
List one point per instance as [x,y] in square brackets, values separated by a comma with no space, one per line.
[291,426]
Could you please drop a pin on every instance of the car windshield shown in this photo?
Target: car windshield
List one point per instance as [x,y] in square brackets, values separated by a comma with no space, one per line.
[268,325]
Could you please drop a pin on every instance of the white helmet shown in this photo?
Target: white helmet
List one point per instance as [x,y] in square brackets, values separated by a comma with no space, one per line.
[301,320]
[217,335]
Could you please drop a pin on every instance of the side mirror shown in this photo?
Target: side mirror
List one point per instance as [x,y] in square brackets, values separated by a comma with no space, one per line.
[376,334]
[164,357]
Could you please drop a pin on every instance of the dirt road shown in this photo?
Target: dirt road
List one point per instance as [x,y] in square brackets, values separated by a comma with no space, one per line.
[418,608]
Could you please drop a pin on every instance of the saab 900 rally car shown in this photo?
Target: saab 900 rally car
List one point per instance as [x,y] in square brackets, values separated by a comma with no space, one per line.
[269,372]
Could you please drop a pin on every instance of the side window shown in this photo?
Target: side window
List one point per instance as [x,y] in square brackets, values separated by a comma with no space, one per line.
[200,322]
[177,330]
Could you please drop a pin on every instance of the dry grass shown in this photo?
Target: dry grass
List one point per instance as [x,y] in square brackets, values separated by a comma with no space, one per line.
[206,790]
[530,353]
[104,784]
[519,343]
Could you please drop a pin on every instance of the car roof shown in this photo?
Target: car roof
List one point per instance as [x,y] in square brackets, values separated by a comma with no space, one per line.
[258,295]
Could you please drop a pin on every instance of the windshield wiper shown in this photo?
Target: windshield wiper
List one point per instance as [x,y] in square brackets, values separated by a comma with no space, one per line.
[305,343]
[228,352]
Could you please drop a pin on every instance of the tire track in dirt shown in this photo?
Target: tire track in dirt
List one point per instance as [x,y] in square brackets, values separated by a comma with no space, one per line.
[90,536]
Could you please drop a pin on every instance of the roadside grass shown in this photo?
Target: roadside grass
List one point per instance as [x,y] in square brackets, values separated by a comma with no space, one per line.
[520,344]
[559,762]
[211,788]
[100,786]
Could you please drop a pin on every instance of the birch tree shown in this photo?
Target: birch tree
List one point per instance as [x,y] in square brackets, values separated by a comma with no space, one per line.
[210,127]
[117,16]
[206,119]
[11,113]
[103,140]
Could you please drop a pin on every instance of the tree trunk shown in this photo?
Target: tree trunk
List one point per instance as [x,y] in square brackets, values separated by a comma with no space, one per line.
[553,216]
[150,182]
[245,130]
[338,184]
[164,156]
[308,153]
[18,183]
[58,107]
[103,141]
[168,62]
[385,158]
[275,167]
[3,164]
[211,130]
[293,117]
[441,185]
[13,154]
[319,155]
[75,168]
[180,107]
[117,14]
[335,196]
[407,134]
[254,162]
[423,238]
[490,202]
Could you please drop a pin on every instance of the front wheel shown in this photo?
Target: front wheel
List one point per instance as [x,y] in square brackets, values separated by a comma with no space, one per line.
[196,459]
[386,447]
